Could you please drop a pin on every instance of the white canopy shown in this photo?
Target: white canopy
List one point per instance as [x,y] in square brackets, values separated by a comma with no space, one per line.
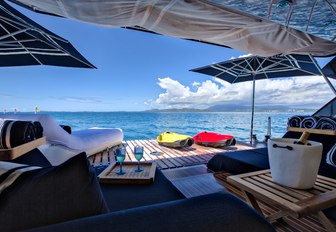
[192,19]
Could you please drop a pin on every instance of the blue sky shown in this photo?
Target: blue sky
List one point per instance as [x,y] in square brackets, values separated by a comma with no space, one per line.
[138,71]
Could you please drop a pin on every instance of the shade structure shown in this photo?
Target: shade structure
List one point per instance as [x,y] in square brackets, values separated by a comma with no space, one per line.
[252,68]
[244,25]
[330,69]
[257,68]
[24,42]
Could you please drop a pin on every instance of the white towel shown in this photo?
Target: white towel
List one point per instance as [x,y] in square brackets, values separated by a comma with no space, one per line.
[331,156]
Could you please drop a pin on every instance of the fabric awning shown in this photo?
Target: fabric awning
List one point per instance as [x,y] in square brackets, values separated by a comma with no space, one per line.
[198,20]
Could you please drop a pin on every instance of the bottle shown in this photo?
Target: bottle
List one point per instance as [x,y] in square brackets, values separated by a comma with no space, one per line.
[303,139]
[254,139]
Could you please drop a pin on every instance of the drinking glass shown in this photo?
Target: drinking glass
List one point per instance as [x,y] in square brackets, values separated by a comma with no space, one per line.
[120,155]
[138,153]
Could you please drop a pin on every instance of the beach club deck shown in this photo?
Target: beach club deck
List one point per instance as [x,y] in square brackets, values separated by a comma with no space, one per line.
[165,157]
[186,169]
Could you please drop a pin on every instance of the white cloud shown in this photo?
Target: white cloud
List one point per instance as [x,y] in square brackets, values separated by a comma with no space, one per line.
[241,56]
[196,84]
[287,91]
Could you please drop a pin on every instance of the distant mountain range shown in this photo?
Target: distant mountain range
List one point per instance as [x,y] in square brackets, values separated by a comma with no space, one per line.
[238,108]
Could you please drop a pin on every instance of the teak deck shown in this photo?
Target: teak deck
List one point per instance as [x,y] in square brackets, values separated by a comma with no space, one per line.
[166,157]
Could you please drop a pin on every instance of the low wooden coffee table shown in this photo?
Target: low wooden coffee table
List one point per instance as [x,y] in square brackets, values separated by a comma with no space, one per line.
[293,202]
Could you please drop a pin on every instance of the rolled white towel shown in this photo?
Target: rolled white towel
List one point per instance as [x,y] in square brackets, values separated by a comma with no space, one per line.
[309,122]
[295,121]
[331,156]
[326,123]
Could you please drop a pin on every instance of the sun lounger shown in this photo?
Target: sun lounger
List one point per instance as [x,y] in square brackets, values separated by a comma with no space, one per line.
[61,145]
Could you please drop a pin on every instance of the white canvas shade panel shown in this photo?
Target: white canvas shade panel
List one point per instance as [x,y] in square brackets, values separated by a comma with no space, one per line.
[197,19]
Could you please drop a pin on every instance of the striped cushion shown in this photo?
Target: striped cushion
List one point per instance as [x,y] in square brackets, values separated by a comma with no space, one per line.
[331,156]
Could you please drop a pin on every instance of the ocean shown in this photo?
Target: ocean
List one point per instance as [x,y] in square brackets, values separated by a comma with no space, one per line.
[148,125]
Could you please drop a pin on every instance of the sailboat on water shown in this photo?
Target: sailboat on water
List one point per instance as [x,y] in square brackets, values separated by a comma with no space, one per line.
[37,109]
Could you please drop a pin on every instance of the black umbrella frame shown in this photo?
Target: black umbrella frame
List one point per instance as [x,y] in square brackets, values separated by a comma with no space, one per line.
[252,68]
[24,42]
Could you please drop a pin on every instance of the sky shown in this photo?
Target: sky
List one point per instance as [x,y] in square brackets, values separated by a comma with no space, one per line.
[140,71]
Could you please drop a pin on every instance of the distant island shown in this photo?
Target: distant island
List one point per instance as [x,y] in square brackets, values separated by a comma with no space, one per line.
[236,108]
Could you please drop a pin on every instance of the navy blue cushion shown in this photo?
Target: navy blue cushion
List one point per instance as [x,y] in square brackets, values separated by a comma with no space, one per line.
[34,158]
[214,212]
[238,162]
[51,195]
[123,196]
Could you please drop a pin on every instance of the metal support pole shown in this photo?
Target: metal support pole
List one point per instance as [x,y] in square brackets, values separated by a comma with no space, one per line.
[252,116]
[320,70]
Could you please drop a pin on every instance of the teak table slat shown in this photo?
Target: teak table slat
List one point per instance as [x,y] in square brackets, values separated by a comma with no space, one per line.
[294,202]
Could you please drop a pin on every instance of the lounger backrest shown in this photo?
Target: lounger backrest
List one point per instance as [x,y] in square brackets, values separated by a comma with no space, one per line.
[53,132]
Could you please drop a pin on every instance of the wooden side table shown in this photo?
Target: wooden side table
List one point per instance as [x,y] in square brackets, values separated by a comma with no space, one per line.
[294,202]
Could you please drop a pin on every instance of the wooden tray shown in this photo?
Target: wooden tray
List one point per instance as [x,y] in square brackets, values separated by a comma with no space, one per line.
[130,177]
[9,154]
[312,131]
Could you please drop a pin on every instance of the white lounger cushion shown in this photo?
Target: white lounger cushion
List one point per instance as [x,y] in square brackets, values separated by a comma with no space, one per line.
[89,140]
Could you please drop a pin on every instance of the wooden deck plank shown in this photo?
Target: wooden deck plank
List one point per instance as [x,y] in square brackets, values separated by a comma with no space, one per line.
[157,154]
[150,157]
[129,150]
[104,158]
[146,152]
[164,157]
[188,155]
[191,155]
[169,153]
[172,152]
[97,159]
[195,153]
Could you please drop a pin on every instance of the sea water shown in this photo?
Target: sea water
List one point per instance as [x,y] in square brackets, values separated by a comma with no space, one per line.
[148,125]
